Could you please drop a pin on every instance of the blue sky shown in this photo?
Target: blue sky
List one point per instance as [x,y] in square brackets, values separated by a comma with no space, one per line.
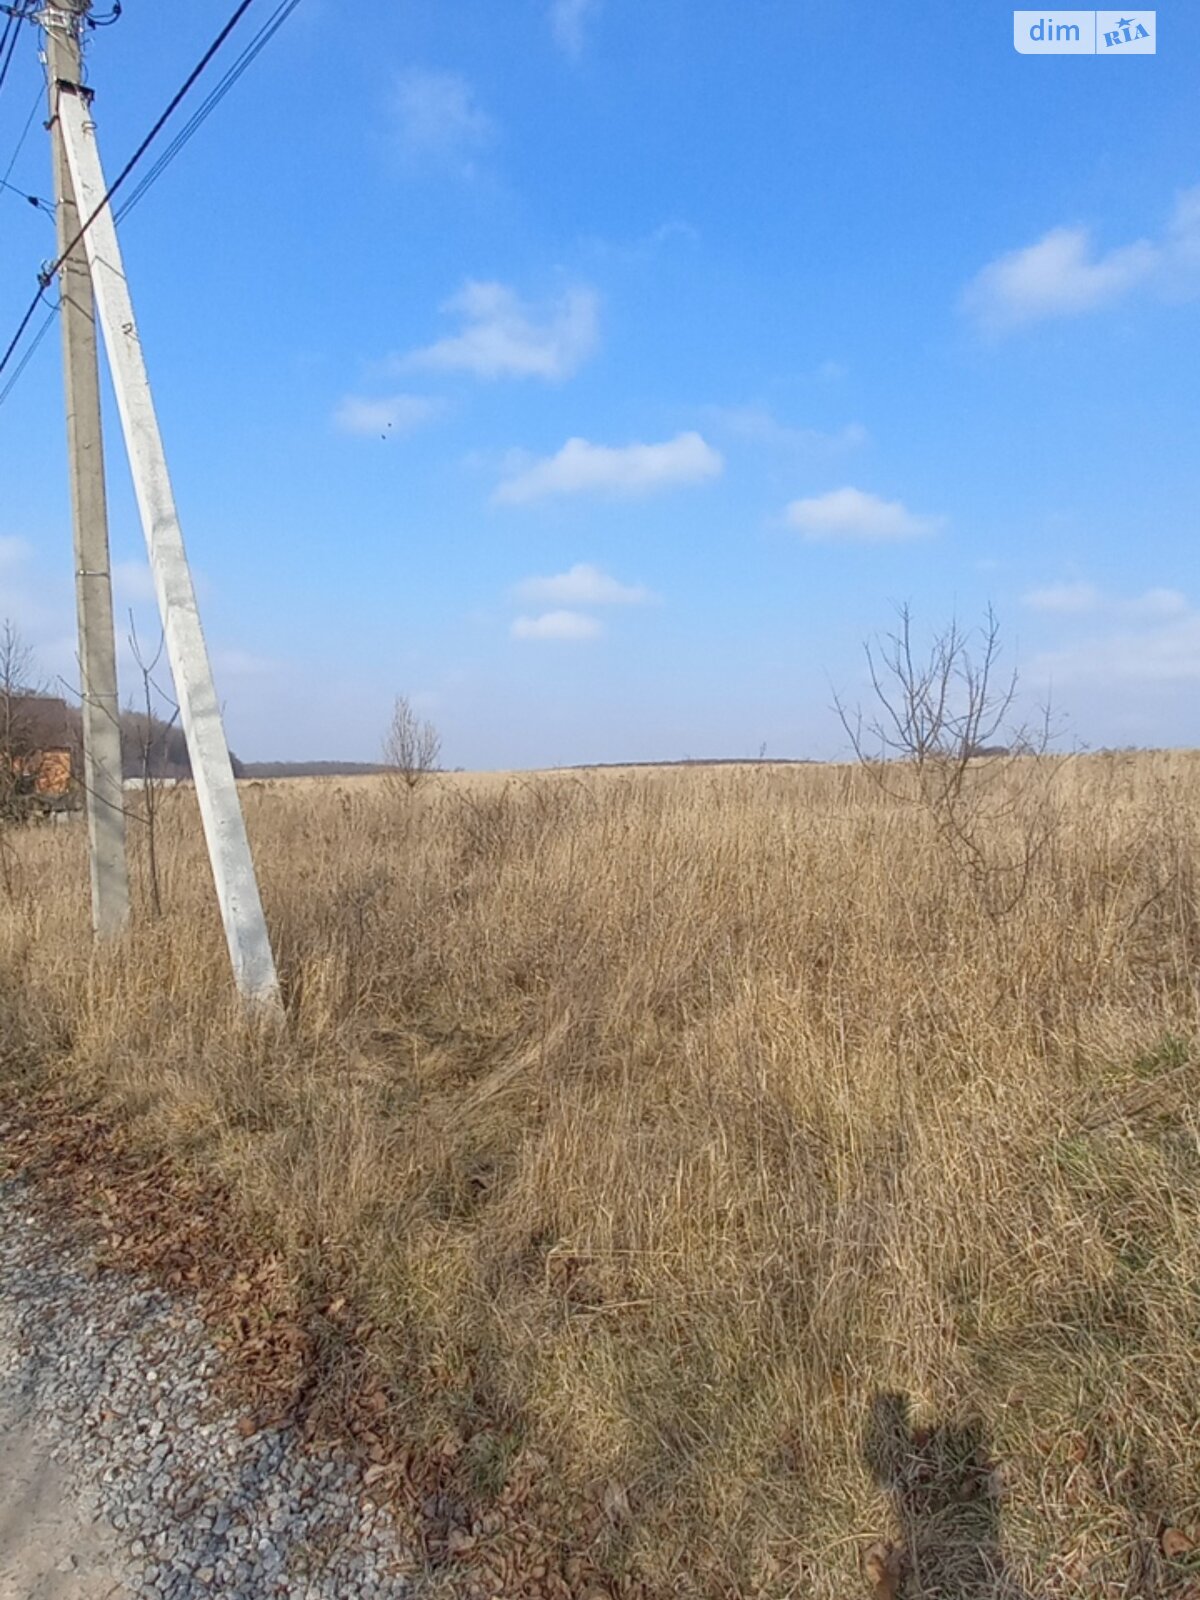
[706,334]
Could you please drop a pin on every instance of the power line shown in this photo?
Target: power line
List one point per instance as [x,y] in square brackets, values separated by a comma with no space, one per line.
[204,110]
[12,32]
[37,100]
[46,276]
[24,323]
[30,199]
[29,354]
[137,155]
[9,29]
[11,24]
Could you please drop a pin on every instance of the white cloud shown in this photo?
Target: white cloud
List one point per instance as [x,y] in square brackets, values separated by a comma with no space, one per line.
[1058,276]
[1077,599]
[568,21]
[1064,275]
[14,551]
[1165,652]
[1181,254]
[1063,597]
[37,609]
[557,625]
[1147,638]
[502,337]
[856,517]
[131,580]
[643,247]
[398,412]
[439,120]
[633,469]
[581,585]
[232,662]
[759,423]
[672,228]
[1158,603]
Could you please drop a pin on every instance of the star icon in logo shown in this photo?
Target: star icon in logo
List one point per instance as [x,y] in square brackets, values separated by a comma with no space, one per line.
[1125,22]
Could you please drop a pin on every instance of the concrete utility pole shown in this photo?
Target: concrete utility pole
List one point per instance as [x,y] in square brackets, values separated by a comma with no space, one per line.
[93,584]
[220,808]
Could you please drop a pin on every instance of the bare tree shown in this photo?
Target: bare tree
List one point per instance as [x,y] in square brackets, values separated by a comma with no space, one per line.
[151,734]
[411,747]
[19,730]
[943,733]
[20,738]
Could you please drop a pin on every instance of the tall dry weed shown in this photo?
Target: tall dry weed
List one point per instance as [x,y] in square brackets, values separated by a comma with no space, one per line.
[684,1126]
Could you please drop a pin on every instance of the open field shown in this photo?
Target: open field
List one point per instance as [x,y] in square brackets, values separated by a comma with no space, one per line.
[722,1136]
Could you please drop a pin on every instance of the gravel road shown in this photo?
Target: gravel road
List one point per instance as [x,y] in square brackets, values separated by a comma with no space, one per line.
[121,1472]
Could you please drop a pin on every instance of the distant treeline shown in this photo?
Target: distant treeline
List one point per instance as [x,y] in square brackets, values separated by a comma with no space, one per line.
[152,743]
[47,722]
[305,769]
[699,761]
[351,769]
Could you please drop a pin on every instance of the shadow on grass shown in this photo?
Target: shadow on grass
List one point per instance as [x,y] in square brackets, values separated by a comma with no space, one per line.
[944,1490]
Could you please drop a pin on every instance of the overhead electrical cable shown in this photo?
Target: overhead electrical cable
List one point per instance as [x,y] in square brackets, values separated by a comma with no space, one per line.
[33,199]
[24,134]
[9,29]
[205,109]
[29,199]
[46,276]
[8,40]
[172,104]
[29,354]
[21,326]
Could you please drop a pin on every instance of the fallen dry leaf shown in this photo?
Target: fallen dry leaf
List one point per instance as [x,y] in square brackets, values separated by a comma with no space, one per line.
[1175,1543]
[881,1568]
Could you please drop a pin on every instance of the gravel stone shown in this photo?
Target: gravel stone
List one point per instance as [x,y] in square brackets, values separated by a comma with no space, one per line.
[114,1375]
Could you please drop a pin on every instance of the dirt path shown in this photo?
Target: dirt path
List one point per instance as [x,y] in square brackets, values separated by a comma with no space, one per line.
[123,1469]
[53,1546]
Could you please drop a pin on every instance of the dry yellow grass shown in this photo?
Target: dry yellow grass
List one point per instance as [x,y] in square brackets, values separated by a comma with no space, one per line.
[696,1128]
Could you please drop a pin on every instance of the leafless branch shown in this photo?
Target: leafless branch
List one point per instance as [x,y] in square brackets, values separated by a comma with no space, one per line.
[411,748]
[943,735]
